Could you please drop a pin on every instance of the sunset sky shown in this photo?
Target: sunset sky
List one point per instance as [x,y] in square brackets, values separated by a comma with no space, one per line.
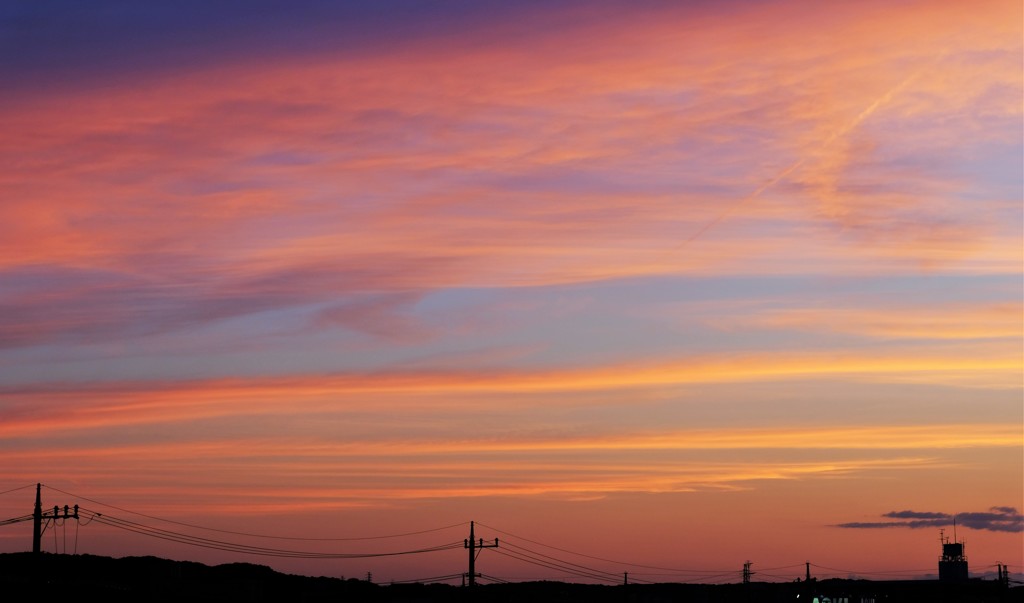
[670,284]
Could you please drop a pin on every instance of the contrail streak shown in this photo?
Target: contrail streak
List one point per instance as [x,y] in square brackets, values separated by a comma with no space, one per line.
[843,131]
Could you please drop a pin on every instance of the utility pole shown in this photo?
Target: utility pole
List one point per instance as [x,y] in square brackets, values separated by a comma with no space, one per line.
[473,545]
[808,579]
[38,516]
[746,572]
[37,523]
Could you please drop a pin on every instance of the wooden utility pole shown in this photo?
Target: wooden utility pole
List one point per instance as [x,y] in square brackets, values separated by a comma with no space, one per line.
[473,545]
[37,523]
[38,516]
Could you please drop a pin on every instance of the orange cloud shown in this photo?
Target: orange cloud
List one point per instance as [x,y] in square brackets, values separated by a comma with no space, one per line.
[92,407]
[274,474]
[351,474]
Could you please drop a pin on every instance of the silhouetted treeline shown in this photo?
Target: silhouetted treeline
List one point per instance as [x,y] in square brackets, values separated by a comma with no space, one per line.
[48,577]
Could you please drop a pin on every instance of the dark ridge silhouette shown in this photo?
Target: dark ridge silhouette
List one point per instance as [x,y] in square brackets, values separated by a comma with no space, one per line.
[50,577]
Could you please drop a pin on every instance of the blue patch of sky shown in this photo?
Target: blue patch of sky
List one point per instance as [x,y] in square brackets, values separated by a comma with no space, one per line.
[639,318]
[951,288]
[88,42]
[539,327]
[995,170]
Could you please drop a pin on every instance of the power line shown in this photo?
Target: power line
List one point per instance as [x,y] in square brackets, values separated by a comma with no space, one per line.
[700,580]
[668,569]
[16,489]
[16,520]
[772,569]
[537,558]
[777,577]
[235,547]
[525,550]
[428,580]
[886,572]
[549,565]
[549,562]
[559,567]
[198,527]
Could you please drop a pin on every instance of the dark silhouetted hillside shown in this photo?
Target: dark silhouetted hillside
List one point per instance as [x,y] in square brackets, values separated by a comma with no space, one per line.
[48,577]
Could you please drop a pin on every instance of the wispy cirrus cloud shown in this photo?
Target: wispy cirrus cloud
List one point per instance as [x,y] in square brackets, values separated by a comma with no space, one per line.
[392,470]
[235,191]
[72,406]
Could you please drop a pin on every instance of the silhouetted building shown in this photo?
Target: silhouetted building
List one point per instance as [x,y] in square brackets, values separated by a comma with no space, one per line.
[953,563]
